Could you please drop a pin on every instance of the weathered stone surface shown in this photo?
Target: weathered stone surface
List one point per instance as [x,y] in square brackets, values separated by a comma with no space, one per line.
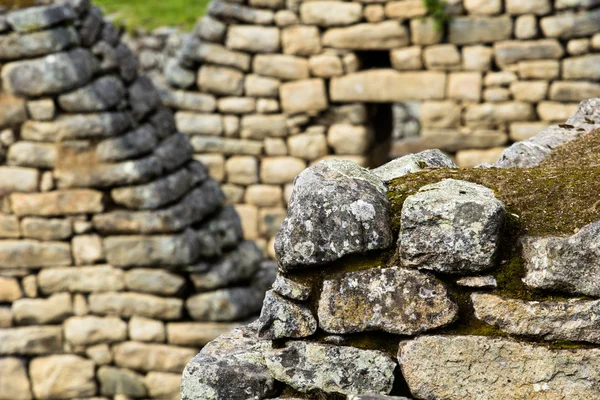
[474,216]
[9,227]
[152,357]
[18,179]
[424,31]
[46,229]
[301,40]
[148,251]
[57,203]
[51,74]
[290,289]
[90,330]
[565,91]
[226,10]
[34,254]
[10,290]
[491,368]
[62,377]
[280,170]
[261,126]
[232,367]
[76,126]
[386,85]
[19,46]
[146,330]
[379,36]
[223,231]
[413,163]
[154,281]
[14,382]
[325,195]
[308,146]
[81,279]
[190,101]
[406,302]
[36,18]
[476,29]
[130,304]
[583,67]
[197,334]
[570,24]
[261,86]
[193,123]
[530,91]
[253,39]
[121,381]
[349,139]
[303,96]
[282,318]
[563,263]
[509,52]
[482,115]
[333,369]
[232,304]
[195,51]
[100,95]
[31,340]
[281,66]
[574,320]
[233,267]
[539,7]
[330,13]
[221,80]
[54,309]
[13,111]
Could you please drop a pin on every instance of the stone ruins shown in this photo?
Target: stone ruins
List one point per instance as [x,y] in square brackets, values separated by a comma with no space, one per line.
[419,280]
[118,258]
[266,88]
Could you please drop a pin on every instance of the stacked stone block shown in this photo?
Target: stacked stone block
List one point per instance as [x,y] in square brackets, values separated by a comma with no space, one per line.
[118,258]
[266,88]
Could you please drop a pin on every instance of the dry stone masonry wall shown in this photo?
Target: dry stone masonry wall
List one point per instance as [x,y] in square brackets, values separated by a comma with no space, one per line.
[118,257]
[419,280]
[266,88]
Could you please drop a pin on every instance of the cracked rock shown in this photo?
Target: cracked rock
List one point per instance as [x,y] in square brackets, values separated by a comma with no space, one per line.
[282,318]
[290,289]
[396,300]
[337,208]
[452,227]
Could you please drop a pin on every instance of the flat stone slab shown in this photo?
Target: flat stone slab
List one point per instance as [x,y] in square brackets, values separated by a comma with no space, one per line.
[395,300]
[485,368]
[308,366]
[574,320]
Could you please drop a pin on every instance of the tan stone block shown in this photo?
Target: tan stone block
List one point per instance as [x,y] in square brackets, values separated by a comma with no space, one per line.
[479,29]
[502,78]
[130,304]
[249,218]
[267,106]
[264,195]
[233,193]
[31,340]
[569,91]
[512,51]
[350,139]
[526,27]
[221,80]
[274,4]
[46,228]
[54,309]
[62,377]
[231,125]
[100,354]
[483,7]
[440,114]
[154,281]
[496,94]
[146,330]
[13,110]
[152,357]
[253,38]
[275,147]
[538,7]
[9,227]
[542,69]
[326,66]
[29,284]
[408,58]
[14,382]
[472,158]
[330,13]
[301,40]
[91,330]
[18,179]
[583,67]
[193,123]
[576,47]
[236,105]
[477,58]
[163,385]
[530,91]
[351,63]
[442,57]
[465,86]
[10,290]
[281,66]
[33,254]
[261,86]
[5,317]
[423,31]
[374,12]
[215,163]
[406,9]
[595,41]
[62,202]
[490,114]
[388,86]
[570,24]
[379,36]
[303,96]
[453,140]
[87,249]
[242,170]
[261,126]
[197,334]
[308,146]
[559,112]
[524,130]
[280,170]
[80,306]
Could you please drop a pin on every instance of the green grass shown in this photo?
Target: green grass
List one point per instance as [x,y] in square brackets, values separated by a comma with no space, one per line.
[150,14]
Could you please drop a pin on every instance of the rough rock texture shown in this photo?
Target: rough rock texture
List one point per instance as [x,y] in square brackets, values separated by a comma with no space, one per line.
[488,368]
[574,320]
[464,231]
[282,318]
[413,163]
[564,263]
[395,300]
[333,369]
[324,196]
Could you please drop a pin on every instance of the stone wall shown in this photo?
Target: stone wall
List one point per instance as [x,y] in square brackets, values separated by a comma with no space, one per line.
[118,258]
[449,283]
[266,88]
